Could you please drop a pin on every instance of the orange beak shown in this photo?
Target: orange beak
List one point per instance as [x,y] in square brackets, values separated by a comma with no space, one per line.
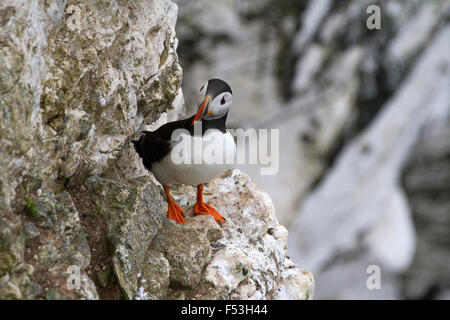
[202,109]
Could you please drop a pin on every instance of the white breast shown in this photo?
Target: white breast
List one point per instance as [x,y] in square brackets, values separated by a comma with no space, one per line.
[194,160]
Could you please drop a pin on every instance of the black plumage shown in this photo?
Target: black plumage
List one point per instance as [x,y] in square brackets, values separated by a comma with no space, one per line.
[216,86]
[153,146]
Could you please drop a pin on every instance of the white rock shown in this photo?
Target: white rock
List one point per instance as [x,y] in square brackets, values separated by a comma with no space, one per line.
[253,262]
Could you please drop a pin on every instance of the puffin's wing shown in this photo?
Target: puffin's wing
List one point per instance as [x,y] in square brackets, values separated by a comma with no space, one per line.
[154,147]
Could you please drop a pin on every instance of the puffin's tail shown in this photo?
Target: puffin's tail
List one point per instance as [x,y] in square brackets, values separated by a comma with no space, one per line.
[137,146]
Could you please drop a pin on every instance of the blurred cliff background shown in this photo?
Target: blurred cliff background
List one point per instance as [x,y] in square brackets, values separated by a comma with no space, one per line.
[364,119]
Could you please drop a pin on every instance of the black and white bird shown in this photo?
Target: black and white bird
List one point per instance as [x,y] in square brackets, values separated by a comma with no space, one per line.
[157,148]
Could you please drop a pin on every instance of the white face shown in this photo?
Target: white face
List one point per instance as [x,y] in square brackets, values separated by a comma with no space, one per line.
[219,106]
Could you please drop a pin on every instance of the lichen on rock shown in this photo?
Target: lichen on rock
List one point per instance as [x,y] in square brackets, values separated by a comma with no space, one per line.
[71,96]
[38,262]
[250,261]
[154,258]
[79,82]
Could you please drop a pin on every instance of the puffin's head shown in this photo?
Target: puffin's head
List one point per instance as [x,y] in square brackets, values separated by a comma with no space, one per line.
[215,100]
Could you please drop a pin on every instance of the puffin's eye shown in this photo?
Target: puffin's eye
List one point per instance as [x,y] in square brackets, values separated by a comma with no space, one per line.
[201,89]
[222,101]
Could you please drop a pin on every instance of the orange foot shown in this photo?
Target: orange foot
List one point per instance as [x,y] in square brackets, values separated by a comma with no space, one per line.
[203,208]
[175,212]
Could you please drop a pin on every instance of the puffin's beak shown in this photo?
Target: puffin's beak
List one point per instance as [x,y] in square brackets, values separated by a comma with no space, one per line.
[202,109]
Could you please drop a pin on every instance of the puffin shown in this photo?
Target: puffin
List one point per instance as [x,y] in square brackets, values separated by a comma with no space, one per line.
[159,149]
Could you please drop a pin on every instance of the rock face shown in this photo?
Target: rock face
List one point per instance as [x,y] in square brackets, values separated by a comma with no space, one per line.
[42,253]
[133,212]
[79,216]
[78,79]
[154,258]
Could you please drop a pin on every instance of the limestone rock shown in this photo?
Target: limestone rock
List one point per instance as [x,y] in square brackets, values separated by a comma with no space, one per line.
[41,264]
[249,260]
[78,79]
[134,212]
[155,258]
[14,273]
